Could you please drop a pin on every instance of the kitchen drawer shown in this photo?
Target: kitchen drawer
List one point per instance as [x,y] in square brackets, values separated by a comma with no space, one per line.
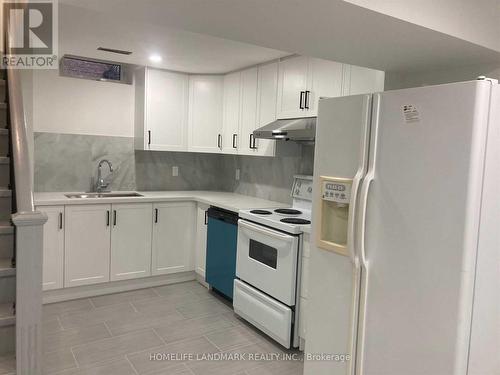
[267,314]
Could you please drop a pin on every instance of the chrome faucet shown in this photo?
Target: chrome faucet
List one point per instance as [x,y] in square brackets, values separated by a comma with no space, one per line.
[101,185]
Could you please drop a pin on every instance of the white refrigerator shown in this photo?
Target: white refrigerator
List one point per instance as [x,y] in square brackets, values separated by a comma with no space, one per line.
[404,274]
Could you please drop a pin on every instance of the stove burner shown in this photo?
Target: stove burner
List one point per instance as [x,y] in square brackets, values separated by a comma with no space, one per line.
[295,220]
[288,211]
[261,212]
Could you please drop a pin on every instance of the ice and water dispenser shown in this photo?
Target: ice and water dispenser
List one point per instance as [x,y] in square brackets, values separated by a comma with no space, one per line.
[334,214]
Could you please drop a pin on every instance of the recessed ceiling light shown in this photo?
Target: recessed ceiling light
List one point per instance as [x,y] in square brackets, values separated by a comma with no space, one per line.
[155,58]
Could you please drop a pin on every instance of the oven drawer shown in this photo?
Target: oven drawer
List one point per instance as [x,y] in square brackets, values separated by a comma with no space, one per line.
[267,259]
[264,312]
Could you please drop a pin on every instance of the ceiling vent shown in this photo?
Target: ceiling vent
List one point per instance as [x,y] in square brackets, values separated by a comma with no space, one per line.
[112,50]
[94,69]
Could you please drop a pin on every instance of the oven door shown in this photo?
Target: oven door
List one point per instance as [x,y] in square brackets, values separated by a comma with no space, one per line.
[267,260]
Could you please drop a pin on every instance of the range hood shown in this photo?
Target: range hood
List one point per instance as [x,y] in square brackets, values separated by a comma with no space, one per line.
[294,129]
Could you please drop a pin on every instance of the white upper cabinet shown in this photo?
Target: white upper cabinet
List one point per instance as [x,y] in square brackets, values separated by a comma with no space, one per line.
[292,84]
[131,240]
[161,111]
[205,113]
[361,80]
[302,81]
[231,113]
[324,80]
[248,111]
[266,106]
[53,247]
[218,113]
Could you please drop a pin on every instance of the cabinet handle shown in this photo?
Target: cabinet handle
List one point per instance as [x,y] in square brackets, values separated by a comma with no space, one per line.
[60,220]
[306,104]
[156,215]
[107,218]
[219,141]
[301,99]
[252,142]
[149,137]
[114,217]
[206,217]
[234,140]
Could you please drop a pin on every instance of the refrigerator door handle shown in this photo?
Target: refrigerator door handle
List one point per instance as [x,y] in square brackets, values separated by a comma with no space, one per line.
[353,209]
[365,189]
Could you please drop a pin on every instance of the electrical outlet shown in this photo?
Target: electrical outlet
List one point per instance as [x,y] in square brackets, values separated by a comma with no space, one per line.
[237,175]
[175,171]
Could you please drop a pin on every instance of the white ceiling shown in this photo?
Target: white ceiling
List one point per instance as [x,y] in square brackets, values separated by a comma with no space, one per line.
[81,31]
[331,29]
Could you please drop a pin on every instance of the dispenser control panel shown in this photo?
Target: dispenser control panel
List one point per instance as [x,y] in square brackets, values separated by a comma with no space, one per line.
[336,191]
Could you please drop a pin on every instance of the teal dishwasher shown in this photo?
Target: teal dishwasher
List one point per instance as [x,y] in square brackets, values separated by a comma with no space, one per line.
[222,236]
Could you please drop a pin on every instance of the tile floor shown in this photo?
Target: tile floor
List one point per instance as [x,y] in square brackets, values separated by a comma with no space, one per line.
[117,334]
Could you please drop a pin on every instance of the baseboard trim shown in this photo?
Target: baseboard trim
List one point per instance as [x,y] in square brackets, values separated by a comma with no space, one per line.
[201,280]
[67,294]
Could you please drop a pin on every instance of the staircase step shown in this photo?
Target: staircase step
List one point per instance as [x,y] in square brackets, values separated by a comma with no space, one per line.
[6,268]
[3,115]
[5,193]
[6,227]
[7,316]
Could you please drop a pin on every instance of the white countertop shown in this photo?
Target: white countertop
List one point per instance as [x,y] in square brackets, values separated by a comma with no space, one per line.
[229,201]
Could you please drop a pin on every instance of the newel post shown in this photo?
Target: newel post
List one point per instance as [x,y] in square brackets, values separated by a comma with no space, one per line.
[29,258]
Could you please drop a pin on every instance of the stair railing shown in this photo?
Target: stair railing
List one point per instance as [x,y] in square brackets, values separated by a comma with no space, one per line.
[28,233]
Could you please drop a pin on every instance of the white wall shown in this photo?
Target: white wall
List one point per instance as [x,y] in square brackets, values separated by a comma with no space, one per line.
[79,106]
[400,80]
[477,21]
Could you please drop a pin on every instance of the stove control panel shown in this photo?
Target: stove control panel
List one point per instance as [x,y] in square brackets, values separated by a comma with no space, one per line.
[336,191]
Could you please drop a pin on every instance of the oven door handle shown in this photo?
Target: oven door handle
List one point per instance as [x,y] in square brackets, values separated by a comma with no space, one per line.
[262,230]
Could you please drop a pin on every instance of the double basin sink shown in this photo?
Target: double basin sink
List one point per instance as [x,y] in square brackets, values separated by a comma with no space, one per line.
[103,195]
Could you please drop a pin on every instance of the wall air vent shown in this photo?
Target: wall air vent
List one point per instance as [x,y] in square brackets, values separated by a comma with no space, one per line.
[113,50]
[96,70]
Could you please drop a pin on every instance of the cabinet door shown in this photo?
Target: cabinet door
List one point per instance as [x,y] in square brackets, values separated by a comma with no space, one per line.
[53,248]
[201,239]
[166,110]
[205,113]
[364,80]
[87,244]
[131,240]
[266,106]
[248,111]
[231,113]
[173,237]
[325,80]
[292,81]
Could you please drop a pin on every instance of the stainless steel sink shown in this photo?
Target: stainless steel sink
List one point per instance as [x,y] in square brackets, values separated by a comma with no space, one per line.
[103,195]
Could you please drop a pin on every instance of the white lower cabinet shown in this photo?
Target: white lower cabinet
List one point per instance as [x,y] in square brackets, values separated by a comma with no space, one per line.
[201,239]
[131,241]
[86,244]
[53,247]
[173,237]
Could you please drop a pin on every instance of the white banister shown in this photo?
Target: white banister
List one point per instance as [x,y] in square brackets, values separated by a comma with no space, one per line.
[28,234]
[23,176]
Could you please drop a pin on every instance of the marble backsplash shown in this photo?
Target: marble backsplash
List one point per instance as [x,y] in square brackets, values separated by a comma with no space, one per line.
[68,162]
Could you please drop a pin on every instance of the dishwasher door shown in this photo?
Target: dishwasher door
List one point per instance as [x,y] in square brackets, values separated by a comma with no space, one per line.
[222,237]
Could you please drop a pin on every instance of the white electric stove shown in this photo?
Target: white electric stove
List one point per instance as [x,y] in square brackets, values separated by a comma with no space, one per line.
[293,219]
[268,265]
